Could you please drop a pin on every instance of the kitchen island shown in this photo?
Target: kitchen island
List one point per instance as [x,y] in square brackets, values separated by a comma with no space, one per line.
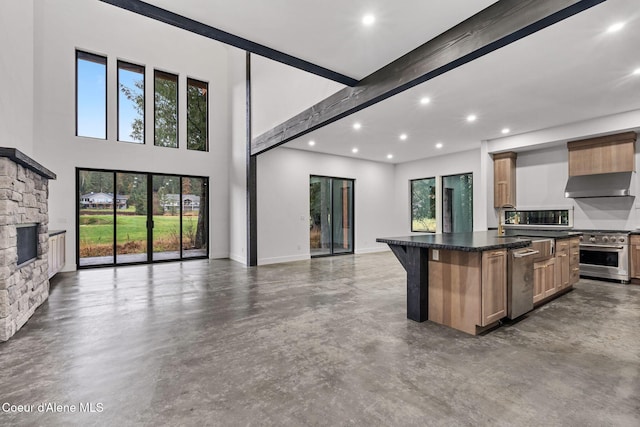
[456,279]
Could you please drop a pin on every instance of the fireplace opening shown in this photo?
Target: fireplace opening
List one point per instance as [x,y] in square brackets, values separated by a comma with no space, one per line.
[27,243]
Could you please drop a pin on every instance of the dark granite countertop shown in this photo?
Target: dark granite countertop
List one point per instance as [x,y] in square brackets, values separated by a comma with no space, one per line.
[467,242]
[550,234]
[56,232]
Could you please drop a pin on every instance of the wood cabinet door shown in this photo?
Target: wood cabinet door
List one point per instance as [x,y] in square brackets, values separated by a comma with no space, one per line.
[550,277]
[504,179]
[538,280]
[494,286]
[561,265]
[51,255]
[574,260]
[634,256]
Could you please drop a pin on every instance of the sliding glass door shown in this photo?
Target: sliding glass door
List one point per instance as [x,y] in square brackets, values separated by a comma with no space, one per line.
[136,217]
[131,217]
[166,217]
[457,203]
[96,220]
[331,216]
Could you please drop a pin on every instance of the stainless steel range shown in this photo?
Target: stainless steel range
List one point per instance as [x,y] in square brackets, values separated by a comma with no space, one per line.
[605,255]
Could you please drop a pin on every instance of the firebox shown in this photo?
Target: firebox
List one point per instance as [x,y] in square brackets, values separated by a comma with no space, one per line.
[27,239]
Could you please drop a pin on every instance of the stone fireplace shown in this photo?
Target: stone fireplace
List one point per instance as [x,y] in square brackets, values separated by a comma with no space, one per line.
[24,190]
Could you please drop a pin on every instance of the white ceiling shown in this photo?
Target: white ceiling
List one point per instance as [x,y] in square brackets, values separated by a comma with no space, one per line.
[329,33]
[571,71]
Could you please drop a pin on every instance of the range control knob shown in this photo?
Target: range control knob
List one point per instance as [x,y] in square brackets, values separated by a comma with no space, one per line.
[581,238]
[592,239]
[605,239]
[621,240]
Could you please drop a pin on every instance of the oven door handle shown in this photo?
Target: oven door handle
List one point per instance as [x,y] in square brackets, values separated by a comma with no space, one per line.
[602,246]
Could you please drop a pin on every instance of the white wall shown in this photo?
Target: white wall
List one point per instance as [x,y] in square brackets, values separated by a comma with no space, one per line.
[279,92]
[542,172]
[16,75]
[283,201]
[61,26]
[451,164]
[541,177]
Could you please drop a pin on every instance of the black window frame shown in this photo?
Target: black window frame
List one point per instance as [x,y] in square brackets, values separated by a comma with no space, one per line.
[442,195]
[149,177]
[199,83]
[435,203]
[100,59]
[144,100]
[157,72]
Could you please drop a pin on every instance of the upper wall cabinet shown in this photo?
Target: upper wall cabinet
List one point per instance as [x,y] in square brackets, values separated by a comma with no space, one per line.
[606,154]
[504,179]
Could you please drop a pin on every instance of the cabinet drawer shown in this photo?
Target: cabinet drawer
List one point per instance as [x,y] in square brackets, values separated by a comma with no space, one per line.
[545,247]
[574,245]
[574,275]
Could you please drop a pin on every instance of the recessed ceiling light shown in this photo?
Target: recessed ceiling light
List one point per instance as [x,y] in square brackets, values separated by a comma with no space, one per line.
[506,131]
[389,156]
[354,151]
[312,143]
[425,101]
[471,118]
[357,125]
[636,72]
[368,19]
[439,145]
[403,137]
[615,27]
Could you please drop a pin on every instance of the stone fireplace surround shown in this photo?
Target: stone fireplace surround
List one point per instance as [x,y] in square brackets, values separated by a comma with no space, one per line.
[24,191]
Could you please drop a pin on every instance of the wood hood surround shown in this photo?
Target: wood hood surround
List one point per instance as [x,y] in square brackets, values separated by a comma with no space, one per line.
[605,154]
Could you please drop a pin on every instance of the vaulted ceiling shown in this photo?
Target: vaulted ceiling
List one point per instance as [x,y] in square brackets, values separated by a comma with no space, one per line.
[571,71]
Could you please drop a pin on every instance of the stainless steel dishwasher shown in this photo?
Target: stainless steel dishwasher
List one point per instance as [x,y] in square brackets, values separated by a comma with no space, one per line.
[520,281]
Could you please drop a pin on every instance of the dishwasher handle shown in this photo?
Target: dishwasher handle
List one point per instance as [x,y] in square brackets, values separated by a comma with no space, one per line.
[525,254]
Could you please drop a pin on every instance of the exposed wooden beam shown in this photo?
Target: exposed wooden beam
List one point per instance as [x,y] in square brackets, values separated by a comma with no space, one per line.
[502,23]
[163,15]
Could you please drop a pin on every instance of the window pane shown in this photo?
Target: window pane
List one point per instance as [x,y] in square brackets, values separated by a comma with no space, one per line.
[131,217]
[541,217]
[194,217]
[423,205]
[166,109]
[91,95]
[166,217]
[96,217]
[342,217]
[457,203]
[130,103]
[320,215]
[196,115]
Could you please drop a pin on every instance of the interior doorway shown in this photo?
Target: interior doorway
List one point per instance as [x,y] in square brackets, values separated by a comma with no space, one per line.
[331,216]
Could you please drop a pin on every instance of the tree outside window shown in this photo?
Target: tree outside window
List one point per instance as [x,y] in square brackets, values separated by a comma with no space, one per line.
[423,205]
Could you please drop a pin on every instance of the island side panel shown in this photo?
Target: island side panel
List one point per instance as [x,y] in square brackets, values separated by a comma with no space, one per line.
[455,289]
[417,266]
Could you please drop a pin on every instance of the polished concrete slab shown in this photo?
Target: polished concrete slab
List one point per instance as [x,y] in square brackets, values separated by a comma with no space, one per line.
[319,342]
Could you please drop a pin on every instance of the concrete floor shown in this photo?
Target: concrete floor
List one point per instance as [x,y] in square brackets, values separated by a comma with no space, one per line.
[320,342]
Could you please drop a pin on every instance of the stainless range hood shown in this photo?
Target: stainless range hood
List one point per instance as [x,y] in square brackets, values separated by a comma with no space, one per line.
[615,184]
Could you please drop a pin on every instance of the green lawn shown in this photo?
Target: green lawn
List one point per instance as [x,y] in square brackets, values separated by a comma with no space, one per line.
[424,225]
[96,229]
